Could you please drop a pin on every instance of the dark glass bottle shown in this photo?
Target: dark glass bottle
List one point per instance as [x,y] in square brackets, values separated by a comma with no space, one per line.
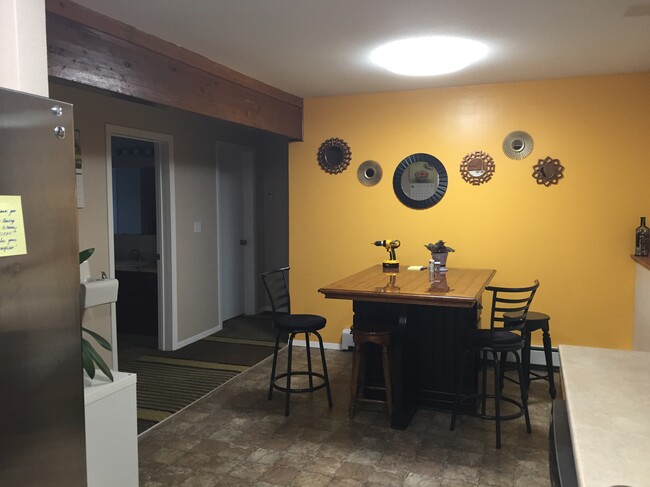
[642,237]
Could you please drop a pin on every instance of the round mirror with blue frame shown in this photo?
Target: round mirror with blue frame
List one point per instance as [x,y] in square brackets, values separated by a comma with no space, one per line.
[420,181]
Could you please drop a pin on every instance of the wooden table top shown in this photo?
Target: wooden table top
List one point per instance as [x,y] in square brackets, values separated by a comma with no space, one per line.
[456,287]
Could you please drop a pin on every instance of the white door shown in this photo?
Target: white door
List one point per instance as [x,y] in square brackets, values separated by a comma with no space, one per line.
[236,223]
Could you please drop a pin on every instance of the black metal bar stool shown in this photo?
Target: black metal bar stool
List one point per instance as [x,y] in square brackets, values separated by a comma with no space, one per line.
[537,321]
[380,336]
[494,341]
[275,283]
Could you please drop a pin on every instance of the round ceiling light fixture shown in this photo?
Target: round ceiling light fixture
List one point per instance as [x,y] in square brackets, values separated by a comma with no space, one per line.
[428,56]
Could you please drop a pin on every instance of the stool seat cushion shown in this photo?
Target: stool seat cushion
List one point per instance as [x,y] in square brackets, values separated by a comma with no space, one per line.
[299,323]
[494,338]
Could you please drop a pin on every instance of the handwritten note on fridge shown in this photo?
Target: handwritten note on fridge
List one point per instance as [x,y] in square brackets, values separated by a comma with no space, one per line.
[12,229]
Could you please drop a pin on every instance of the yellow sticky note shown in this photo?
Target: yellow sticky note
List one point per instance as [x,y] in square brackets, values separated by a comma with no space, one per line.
[12,228]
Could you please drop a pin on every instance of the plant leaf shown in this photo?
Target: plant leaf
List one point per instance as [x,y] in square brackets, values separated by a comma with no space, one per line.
[86,358]
[84,255]
[100,339]
[100,362]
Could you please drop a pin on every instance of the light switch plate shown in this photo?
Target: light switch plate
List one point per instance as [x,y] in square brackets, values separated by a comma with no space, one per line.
[197,227]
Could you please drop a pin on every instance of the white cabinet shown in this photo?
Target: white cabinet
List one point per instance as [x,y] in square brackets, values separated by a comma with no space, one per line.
[111,430]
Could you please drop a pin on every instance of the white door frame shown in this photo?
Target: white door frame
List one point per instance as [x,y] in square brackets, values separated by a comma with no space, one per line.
[166,231]
[250,261]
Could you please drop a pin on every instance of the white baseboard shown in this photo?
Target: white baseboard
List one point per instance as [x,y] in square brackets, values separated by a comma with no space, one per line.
[537,356]
[198,337]
[314,344]
[298,343]
[347,342]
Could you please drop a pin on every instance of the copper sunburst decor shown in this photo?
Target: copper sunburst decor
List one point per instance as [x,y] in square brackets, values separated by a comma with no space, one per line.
[477,167]
[334,156]
[548,171]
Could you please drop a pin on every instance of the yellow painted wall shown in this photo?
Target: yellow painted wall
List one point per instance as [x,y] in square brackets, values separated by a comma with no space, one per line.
[575,237]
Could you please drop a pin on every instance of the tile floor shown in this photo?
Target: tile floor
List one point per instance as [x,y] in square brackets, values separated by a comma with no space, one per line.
[236,437]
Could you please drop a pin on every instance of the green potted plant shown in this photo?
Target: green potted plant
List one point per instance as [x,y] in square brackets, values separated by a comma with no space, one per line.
[439,252]
[89,356]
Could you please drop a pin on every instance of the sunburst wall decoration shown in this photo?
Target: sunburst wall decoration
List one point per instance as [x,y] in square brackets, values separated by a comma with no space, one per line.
[369,173]
[548,171]
[518,145]
[334,156]
[477,167]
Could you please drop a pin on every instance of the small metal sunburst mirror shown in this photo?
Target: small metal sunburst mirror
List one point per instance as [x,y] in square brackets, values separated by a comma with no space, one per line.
[518,145]
[369,173]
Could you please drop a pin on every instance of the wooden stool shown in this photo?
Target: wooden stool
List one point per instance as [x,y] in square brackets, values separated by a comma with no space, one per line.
[538,321]
[380,336]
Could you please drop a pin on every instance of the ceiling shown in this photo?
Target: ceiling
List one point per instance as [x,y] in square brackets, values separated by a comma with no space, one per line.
[321,47]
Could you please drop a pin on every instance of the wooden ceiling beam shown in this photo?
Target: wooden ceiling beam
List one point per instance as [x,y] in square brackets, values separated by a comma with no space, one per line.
[94,50]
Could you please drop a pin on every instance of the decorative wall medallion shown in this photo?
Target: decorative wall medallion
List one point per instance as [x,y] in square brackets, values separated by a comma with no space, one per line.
[548,171]
[518,145]
[334,156]
[369,173]
[477,167]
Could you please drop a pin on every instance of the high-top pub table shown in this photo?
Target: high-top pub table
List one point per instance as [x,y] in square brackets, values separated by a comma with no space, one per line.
[431,314]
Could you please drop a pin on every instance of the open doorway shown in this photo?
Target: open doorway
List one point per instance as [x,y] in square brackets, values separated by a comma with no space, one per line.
[141,251]
[135,242]
[237,225]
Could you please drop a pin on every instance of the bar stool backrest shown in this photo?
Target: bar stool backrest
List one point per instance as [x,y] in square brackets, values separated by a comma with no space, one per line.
[275,283]
[514,300]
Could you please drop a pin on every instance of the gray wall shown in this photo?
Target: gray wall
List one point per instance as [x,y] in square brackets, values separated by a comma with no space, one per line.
[273,207]
[195,181]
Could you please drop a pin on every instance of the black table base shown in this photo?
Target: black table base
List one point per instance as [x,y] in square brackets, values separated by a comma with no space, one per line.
[425,355]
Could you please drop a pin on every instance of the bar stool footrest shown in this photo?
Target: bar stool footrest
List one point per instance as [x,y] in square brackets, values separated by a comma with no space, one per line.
[374,401]
[491,417]
[299,389]
[532,375]
[536,376]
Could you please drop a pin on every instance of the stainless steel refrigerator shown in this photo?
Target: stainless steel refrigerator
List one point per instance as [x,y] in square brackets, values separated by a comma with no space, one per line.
[41,394]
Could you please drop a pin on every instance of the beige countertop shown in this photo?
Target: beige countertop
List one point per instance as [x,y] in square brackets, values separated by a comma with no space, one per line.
[608,402]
